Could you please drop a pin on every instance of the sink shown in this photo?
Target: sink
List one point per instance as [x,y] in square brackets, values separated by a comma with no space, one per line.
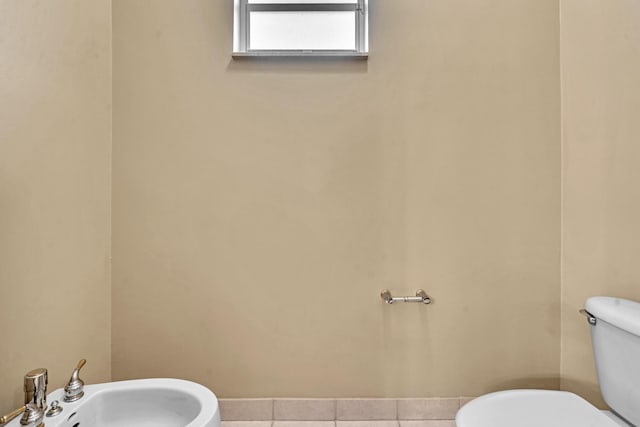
[154,402]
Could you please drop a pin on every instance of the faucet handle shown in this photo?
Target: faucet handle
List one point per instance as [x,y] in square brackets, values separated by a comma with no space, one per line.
[74,388]
[11,415]
[81,363]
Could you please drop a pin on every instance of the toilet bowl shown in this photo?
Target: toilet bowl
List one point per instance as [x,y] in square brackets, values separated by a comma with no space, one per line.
[532,408]
[615,333]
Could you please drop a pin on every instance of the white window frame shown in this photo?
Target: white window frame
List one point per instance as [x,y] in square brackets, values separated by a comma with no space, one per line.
[241,27]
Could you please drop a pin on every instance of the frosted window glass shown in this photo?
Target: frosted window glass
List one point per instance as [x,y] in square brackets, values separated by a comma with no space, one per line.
[330,30]
[303,1]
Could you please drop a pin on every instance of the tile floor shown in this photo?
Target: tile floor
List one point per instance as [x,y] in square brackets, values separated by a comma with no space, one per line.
[431,412]
[371,423]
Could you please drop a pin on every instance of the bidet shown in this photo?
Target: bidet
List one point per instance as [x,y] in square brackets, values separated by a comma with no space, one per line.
[157,402]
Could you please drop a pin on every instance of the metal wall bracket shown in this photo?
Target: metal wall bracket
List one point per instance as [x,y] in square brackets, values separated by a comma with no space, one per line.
[421,297]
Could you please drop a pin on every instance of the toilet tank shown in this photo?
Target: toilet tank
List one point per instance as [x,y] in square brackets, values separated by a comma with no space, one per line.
[616,347]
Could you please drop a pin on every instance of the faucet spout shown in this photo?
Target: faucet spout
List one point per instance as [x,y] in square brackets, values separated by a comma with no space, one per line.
[35,387]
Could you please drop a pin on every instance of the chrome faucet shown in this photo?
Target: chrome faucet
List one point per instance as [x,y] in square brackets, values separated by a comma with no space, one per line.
[35,397]
[35,400]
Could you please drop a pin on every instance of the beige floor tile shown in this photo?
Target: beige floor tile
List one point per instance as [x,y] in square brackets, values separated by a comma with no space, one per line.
[304,409]
[368,423]
[247,423]
[428,423]
[304,424]
[367,409]
[428,409]
[246,409]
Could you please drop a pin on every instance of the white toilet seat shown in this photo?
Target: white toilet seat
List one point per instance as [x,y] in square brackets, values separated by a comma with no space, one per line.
[531,408]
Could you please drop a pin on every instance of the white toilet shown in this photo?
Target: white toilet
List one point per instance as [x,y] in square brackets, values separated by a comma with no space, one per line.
[615,333]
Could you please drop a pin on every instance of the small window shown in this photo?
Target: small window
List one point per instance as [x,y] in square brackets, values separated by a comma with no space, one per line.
[300,28]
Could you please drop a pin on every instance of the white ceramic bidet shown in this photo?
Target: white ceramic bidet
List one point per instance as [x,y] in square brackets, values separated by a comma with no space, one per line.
[136,403]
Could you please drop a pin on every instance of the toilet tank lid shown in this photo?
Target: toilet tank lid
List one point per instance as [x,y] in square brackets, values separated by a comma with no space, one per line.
[622,313]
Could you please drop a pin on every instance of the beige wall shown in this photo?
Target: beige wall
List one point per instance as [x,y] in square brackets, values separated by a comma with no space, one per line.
[260,206]
[264,203]
[600,42]
[55,148]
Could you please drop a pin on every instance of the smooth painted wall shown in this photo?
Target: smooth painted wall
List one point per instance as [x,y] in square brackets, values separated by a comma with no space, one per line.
[55,180]
[600,43]
[267,202]
[259,206]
